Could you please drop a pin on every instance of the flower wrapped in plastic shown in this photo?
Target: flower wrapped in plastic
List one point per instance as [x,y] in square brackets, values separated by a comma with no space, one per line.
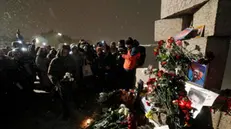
[68,77]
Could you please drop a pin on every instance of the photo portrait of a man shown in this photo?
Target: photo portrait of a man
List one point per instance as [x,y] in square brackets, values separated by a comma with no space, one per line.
[197,98]
[197,73]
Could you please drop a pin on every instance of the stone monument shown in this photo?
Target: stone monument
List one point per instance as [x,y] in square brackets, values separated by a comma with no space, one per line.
[176,15]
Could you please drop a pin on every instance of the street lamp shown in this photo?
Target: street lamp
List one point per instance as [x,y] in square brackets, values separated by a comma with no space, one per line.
[60,34]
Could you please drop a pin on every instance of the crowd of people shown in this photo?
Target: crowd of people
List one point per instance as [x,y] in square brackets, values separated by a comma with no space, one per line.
[68,69]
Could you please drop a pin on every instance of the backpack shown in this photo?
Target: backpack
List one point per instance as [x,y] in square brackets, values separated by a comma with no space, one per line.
[141,60]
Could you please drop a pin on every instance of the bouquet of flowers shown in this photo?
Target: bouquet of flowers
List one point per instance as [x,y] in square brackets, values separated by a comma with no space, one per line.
[112,119]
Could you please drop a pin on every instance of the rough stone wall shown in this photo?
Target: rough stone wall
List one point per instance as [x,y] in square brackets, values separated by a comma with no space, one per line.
[206,15]
[215,16]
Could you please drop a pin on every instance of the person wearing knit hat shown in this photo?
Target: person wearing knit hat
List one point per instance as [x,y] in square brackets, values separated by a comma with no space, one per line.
[130,64]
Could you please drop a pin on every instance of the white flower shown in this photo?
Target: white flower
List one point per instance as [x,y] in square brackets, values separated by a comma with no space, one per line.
[122,106]
[121,111]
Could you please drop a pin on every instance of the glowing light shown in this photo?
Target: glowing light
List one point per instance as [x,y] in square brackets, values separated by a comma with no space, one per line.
[19,41]
[37,40]
[60,34]
[88,121]
[40,91]
[44,43]
[23,49]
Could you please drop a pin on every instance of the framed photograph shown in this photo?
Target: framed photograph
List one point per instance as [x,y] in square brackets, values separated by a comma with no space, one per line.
[197,73]
[184,34]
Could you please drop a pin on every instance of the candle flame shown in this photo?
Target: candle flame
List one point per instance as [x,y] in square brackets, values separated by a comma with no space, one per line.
[88,121]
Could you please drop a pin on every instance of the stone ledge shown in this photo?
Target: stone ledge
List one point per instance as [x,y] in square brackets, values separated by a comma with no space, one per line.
[173,8]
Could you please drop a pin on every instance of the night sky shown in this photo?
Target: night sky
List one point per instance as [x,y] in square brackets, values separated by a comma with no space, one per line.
[89,19]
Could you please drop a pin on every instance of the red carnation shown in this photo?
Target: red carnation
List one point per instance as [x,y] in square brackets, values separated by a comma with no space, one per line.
[188,105]
[170,40]
[179,43]
[163,63]
[160,73]
[177,56]
[151,81]
[172,74]
[160,43]
[148,103]
[156,53]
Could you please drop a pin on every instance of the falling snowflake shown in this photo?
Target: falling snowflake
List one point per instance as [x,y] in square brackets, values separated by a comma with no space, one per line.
[52,13]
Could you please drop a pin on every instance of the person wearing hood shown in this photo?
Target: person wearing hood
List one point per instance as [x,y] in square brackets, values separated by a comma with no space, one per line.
[51,55]
[42,64]
[78,58]
[32,48]
[61,72]
[14,46]
[22,76]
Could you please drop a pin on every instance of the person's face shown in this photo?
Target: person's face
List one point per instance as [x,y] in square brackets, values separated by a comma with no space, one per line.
[129,46]
[196,73]
[74,51]
[65,52]
[48,48]
[194,99]
[100,52]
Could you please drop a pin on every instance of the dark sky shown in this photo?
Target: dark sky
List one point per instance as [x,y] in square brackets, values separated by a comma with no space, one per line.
[90,19]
